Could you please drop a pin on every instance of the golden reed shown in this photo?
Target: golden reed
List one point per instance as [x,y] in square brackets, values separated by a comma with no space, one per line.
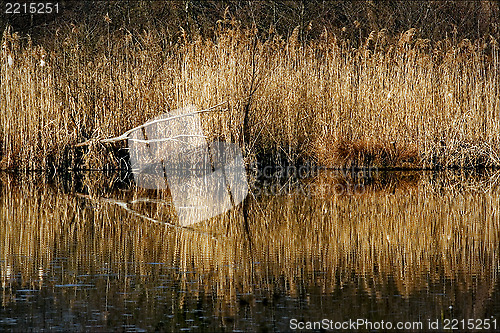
[393,102]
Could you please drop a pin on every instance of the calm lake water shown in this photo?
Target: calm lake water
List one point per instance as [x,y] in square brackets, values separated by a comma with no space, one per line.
[90,253]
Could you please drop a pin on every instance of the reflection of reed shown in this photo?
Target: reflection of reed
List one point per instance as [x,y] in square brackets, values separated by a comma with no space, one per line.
[405,237]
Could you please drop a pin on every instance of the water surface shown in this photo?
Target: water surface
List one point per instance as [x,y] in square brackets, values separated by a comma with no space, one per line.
[91,252]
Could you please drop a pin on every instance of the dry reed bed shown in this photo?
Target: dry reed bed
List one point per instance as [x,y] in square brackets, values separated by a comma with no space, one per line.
[395,102]
[412,236]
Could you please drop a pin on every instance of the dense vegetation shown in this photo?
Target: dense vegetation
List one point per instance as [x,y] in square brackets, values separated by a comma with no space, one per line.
[353,19]
[359,83]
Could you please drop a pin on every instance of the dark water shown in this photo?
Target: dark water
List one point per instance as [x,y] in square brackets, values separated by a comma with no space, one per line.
[90,253]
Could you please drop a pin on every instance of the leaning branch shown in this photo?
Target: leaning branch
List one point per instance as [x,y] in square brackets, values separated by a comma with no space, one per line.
[124,205]
[125,135]
[173,138]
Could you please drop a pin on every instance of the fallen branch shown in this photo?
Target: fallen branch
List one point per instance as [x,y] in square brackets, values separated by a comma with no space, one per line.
[125,135]
[124,205]
[173,138]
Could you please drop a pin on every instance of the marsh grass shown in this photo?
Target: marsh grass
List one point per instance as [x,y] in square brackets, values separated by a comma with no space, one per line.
[393,102]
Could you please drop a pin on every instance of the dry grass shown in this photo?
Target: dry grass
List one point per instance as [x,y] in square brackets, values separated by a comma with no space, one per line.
[403,102]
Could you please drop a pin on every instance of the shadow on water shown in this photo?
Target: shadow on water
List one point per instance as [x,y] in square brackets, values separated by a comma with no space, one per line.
[92,252]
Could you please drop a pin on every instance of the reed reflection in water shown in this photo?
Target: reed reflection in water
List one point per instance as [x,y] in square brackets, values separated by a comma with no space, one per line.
[87,254]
